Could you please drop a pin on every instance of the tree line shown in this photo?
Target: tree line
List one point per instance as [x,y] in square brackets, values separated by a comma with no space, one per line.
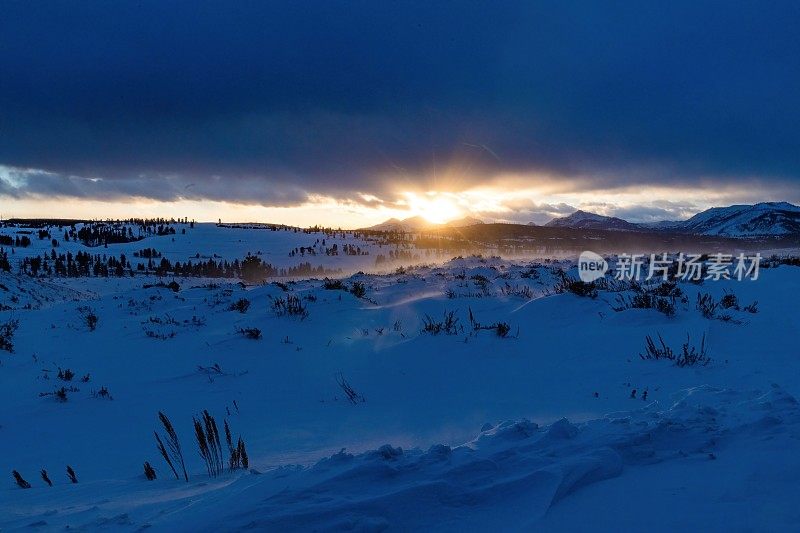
[85,264]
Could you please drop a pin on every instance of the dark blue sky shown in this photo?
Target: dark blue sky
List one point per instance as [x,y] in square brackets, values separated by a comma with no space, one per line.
[277,100]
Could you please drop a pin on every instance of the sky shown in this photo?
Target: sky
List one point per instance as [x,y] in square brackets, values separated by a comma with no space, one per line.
[348,113]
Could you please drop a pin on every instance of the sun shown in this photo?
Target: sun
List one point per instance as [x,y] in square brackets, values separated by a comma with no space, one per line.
[433,207]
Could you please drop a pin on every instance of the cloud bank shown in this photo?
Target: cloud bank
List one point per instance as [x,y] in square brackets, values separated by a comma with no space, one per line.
[274,103]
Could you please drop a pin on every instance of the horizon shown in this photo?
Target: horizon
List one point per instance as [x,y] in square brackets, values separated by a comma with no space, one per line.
[341,215]
[352,114]
[436,221]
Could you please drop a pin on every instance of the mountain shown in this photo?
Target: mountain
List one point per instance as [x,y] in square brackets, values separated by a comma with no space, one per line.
[758,220]
[418,223]
[766,219]
[395,224]
[463,222]
[585,220]
[661,225]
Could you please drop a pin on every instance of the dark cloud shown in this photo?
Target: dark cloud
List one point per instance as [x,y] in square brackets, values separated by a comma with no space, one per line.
[524,211]
[662,210]
[268,102]
[25,183]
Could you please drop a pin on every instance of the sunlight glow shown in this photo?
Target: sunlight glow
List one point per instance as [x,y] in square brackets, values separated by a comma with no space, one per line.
[433,207]
[507,198]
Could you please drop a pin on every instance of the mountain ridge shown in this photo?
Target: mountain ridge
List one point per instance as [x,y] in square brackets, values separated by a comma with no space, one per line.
[585,220]
[763,219]
[418,223]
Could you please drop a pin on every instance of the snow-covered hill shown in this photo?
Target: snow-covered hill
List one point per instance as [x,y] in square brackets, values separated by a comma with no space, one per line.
[584,220]
[763,219]
[767,219]
[558,425]
[418,223]
[20,291]
[280,247]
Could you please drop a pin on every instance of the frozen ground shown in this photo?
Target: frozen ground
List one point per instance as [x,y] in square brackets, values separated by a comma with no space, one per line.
[471,431]
[208,241]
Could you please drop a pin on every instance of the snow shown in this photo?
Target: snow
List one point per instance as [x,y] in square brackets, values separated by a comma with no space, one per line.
[766,219]
[762,219]
[517,475]
[209,241]
[584,219]
[418,223]
[538,430]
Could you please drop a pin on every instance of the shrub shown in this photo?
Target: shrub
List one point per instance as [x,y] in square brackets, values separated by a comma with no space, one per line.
[576,287]
[448,325]
[237,455]
[654,352]
[207,436]
[502,329]
[666,288]
[350,393]
[291,305]
[729,301]
[660,297]
[149,471]
[61,394]
[65,375]
[688,356]
[7,331]
[89,316]
[333,285]
[241,305]
[523,291]
[752,308]
[251,333]
[71,474]
[20,481]
[174,455]
[46,478]
[102,393]
[706,305]
[242,452]
[646,300]
[358,289]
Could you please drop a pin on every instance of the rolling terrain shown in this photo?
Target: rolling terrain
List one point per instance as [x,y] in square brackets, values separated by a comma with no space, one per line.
[472,392]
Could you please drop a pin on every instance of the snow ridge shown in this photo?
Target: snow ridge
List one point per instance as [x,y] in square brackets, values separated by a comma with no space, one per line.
[766,219]
[512,473]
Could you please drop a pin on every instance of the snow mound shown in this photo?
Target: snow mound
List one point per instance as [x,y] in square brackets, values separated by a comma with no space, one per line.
[24,292]
[512,473]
